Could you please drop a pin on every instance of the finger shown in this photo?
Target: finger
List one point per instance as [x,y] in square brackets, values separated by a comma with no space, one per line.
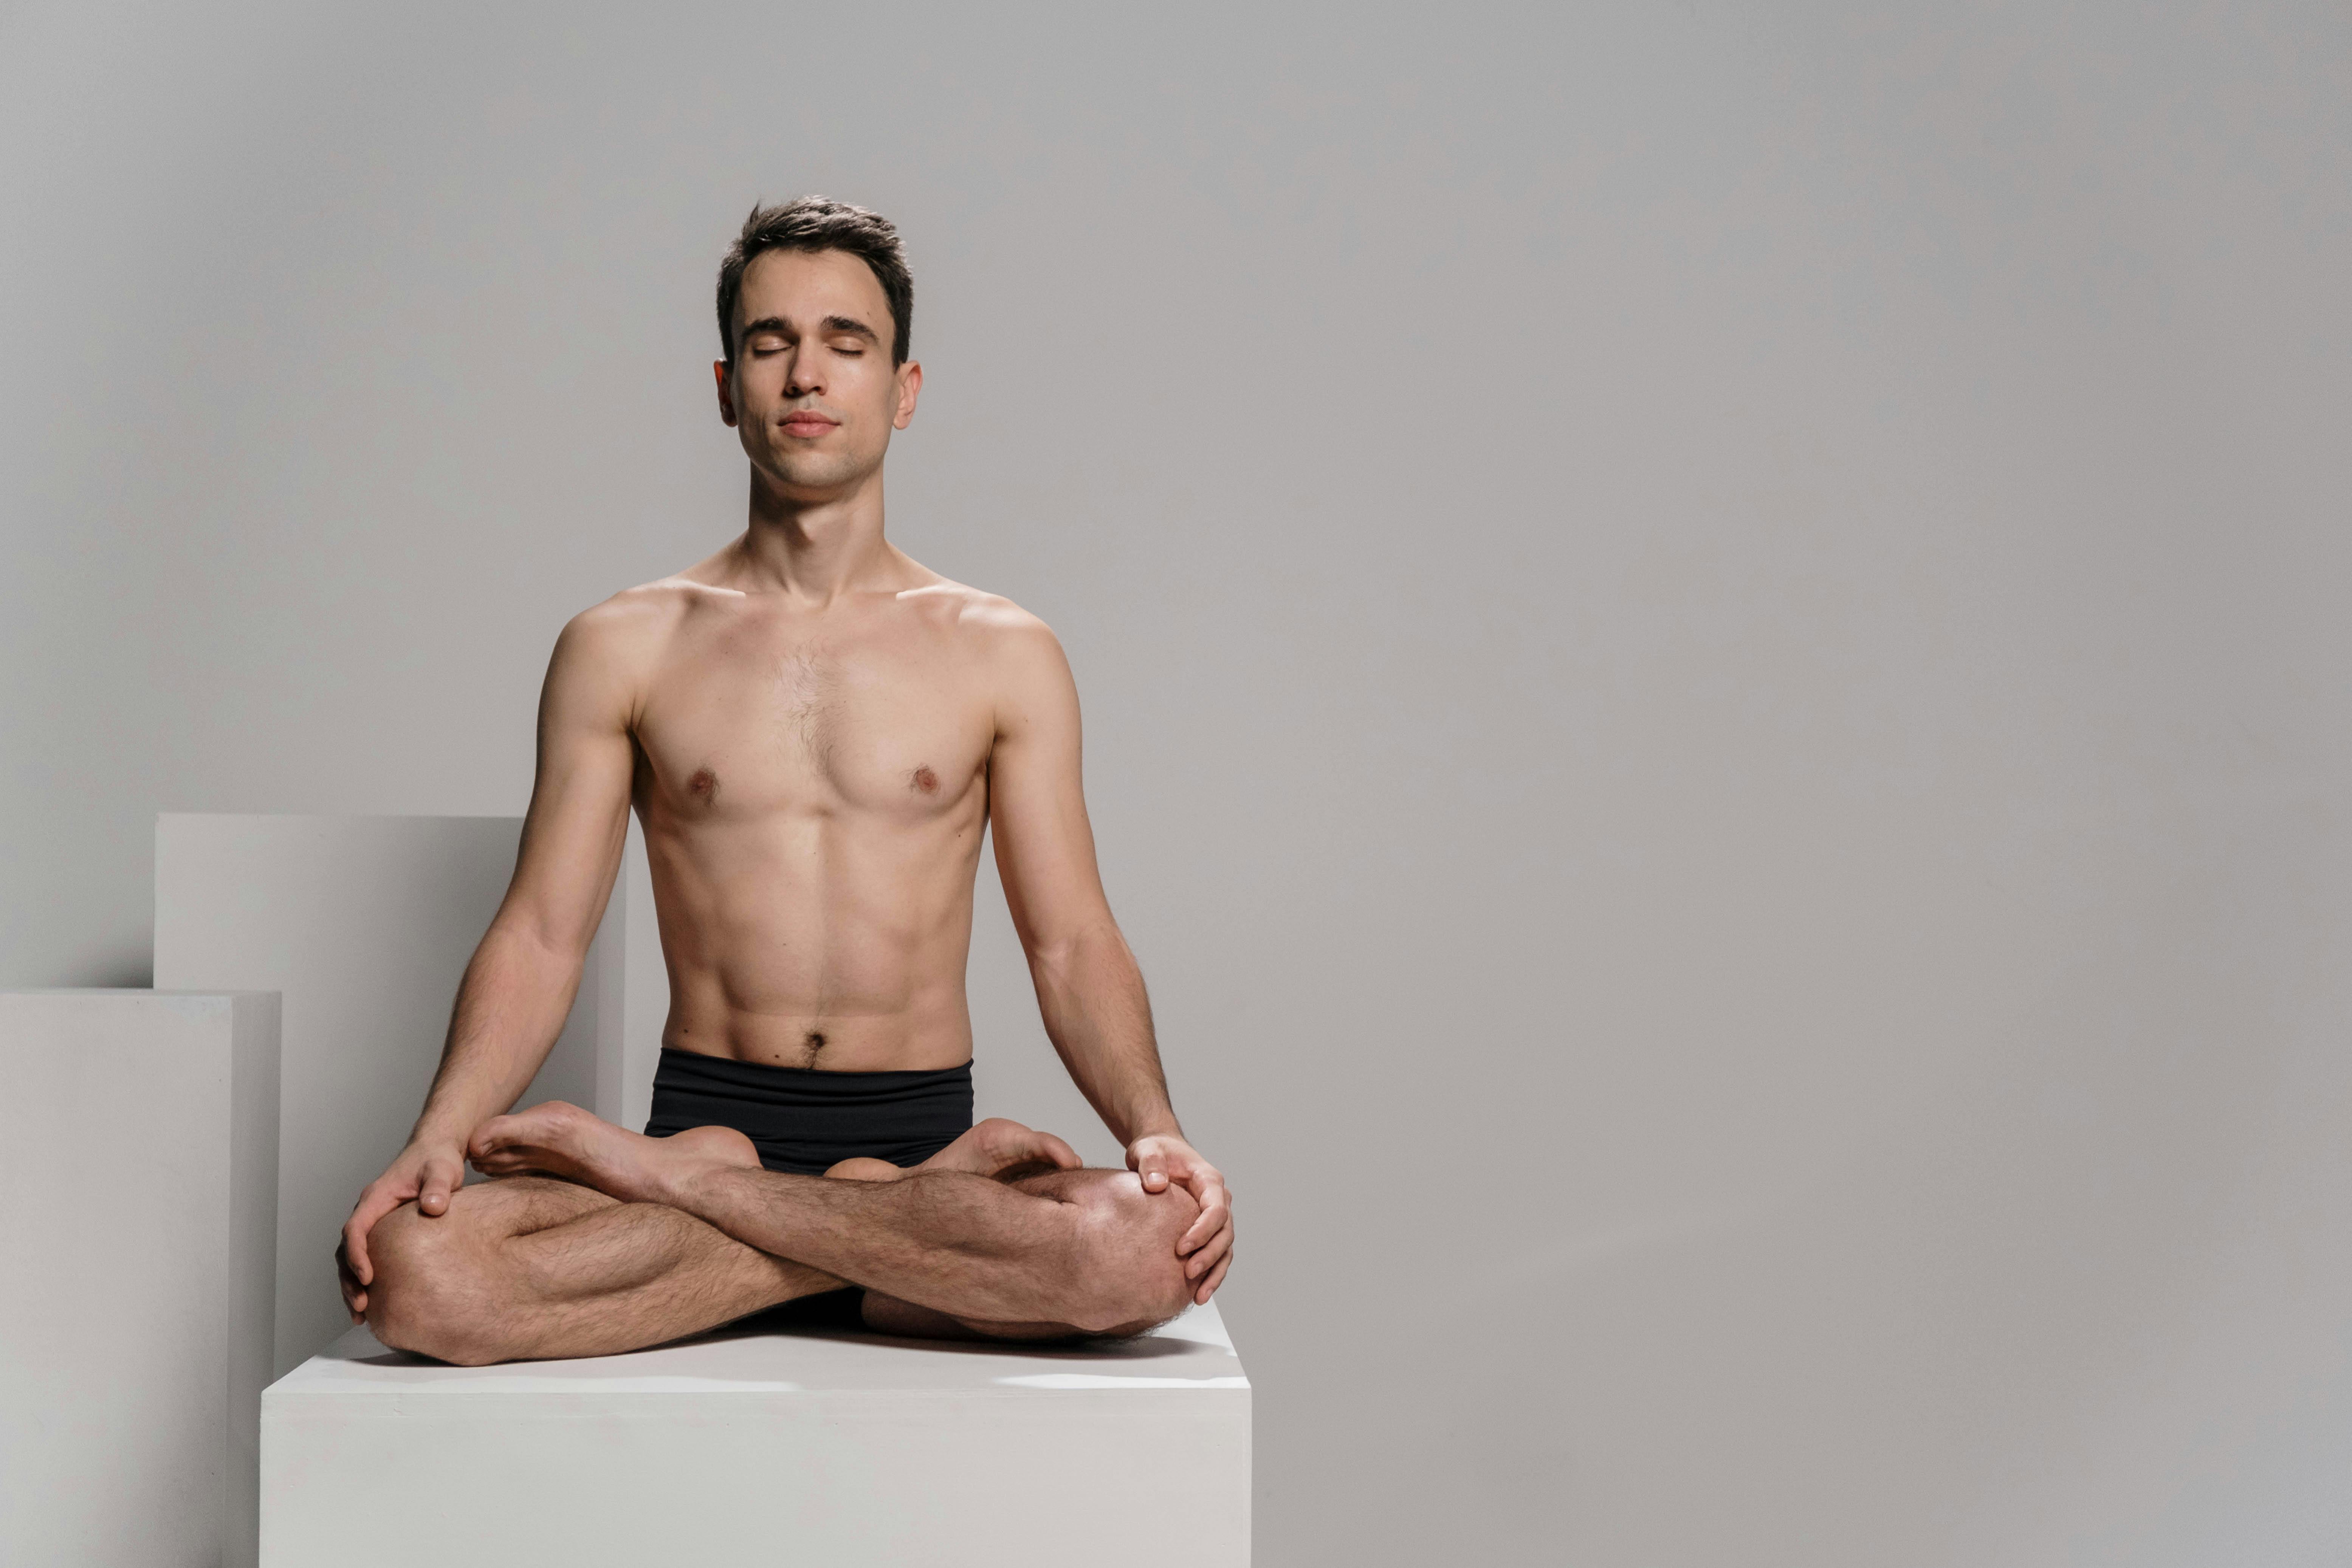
[1209,1286]
[1205,1183]
[355,1234]
[1155,1175]
[1197,1267]
[1211,1220]
[1211,1247]
[1216,1214]
[441,1178]
[354,1298]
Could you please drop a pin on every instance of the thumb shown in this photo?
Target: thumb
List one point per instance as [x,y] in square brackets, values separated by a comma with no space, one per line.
[442,1177]
[1150,1164]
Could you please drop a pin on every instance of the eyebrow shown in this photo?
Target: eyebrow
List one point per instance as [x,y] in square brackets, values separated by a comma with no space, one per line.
[850,324]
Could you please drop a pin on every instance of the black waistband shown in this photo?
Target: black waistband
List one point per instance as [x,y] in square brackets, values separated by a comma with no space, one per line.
[806,1119]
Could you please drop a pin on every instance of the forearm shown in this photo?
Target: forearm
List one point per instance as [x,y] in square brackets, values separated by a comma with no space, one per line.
[942,1240]
[1090,995]
[511,1006]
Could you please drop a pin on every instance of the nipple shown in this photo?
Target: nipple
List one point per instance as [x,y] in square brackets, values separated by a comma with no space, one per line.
[925,780]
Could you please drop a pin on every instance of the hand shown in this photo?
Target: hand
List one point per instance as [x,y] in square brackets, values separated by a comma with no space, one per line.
[1207,1248]
[428,1171]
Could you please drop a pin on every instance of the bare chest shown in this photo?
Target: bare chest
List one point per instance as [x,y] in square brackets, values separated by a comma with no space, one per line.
[750,726]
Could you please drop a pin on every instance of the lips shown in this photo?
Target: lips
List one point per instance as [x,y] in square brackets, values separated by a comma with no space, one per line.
[809,425]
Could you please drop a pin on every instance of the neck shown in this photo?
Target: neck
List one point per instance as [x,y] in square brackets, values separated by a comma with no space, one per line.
[814,547]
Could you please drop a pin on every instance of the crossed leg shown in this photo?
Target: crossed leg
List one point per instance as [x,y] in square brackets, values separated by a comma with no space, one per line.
[645,1240]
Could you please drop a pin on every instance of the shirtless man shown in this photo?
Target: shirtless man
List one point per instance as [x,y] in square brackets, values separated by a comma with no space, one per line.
[815,730]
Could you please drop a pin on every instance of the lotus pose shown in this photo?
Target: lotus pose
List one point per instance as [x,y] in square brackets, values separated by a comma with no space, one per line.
[815,731]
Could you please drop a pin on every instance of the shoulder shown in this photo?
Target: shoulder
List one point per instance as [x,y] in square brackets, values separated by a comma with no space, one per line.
[1017,658]
[606,655]
[991,628]
[636,621]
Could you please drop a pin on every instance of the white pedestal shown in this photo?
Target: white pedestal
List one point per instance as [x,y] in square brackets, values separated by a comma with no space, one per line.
[137,1235]
[769,1447]
[364,925]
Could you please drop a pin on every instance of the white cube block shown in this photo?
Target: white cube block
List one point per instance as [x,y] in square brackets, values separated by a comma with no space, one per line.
[768,1447]
[137,1239]
[364,925]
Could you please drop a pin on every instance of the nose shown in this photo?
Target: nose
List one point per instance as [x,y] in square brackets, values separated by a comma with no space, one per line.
[804,378]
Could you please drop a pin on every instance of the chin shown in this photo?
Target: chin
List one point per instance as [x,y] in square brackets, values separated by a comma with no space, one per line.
[809,470]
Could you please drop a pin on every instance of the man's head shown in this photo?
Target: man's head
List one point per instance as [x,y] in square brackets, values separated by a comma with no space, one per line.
[812,224]
[814,305]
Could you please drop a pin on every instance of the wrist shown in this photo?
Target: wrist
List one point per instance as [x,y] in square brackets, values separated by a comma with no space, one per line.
[441,1132]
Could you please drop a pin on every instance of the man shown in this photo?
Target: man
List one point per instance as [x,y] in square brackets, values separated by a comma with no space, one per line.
[815,730]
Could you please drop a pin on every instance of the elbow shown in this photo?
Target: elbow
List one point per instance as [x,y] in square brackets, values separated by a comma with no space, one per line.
[537,945]
[1057,955]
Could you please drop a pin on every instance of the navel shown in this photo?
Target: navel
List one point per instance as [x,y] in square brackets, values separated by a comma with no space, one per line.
[813,1042]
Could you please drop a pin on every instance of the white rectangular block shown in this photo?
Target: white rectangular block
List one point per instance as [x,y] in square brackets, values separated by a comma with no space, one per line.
[138,1228]
[364,925]
[791,1446]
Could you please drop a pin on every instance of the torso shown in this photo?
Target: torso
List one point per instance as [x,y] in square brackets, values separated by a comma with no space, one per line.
[813,790]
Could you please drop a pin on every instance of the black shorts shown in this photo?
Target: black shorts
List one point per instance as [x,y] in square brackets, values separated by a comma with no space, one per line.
[803,1120]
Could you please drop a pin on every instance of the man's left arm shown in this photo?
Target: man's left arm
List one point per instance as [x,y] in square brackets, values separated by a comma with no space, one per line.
[1089,990]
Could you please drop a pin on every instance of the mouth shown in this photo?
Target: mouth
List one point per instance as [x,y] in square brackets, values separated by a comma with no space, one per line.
[807,424]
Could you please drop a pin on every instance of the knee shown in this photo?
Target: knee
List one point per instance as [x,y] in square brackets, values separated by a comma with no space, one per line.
[1135,1279]
[426,1296]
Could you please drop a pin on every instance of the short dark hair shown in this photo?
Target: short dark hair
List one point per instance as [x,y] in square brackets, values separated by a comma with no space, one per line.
[815,223]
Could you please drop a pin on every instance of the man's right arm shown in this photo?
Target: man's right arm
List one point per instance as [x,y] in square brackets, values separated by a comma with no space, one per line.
[519,988]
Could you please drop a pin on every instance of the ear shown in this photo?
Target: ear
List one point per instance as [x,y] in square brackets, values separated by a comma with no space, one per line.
[726,391]
[910,381]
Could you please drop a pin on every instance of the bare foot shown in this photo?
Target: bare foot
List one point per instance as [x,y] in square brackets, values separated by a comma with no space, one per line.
[1004,1150]
[559,1139]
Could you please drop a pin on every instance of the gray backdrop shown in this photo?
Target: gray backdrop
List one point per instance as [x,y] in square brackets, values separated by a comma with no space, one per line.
[1714,644]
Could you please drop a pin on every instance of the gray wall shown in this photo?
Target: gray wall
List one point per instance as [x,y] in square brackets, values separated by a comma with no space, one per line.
[1715,648]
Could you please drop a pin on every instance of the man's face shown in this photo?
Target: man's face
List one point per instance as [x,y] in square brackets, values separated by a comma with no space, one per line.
[814,393]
